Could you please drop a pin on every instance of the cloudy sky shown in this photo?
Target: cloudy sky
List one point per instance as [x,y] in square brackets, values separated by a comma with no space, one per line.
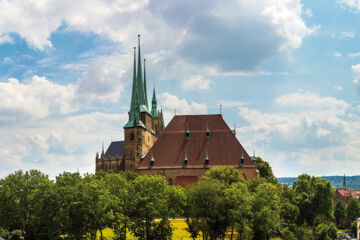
[287,73]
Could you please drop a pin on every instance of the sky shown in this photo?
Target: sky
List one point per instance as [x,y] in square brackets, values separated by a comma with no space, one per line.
[286,72]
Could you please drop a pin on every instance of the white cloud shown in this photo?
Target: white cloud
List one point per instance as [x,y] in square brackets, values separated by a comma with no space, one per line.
[196,82]
[356,71]
[351,4]
[348,34]
[5,38]
[35,99]
[207,33]
[56,145]
[307,137]
[338,88]
[308,12]
[182,106]
[337,54]
[357,54]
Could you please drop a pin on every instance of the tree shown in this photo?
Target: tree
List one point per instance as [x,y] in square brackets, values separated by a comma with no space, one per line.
[265,170]
[352,211]
[207,209]
[325,231]
[153,198]
[28,202]
[238,205]
[266,211]
[315,200]
[340,214]
[122,191]
[226,175]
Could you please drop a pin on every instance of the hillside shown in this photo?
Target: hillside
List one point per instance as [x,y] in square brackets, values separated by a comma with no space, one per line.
[336,181]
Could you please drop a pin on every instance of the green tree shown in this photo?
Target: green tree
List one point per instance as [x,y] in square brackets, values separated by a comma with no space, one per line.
[315,199]
[340,214]
[266,210]
[28,202]
[352,211]
[122,191]
[325,231]
[153,198]
[238,204]
[226,175]
[206,209]
[265,170]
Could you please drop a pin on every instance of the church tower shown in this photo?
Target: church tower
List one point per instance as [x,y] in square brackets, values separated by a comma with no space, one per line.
[140,131]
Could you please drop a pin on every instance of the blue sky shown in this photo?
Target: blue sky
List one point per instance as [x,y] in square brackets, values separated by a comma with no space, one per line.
[287,73]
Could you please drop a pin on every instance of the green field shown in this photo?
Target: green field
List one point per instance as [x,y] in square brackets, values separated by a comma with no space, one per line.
[179,225]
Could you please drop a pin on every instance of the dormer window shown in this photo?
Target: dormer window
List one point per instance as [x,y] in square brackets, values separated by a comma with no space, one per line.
[206,158]
[187,133]
[207,131]
[152,160]
[242,160]
[185,159]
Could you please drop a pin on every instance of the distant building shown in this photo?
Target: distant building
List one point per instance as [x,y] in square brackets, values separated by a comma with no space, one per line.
[182,152]
[344,194]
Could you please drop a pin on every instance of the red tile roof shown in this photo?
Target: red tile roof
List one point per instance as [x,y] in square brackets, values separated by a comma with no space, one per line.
[349,193]
[222,146]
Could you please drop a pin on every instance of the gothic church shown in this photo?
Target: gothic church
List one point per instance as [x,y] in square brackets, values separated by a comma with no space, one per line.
[183,151]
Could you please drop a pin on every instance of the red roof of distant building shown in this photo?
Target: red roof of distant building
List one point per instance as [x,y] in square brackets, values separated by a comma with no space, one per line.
[222,146]
[348,193]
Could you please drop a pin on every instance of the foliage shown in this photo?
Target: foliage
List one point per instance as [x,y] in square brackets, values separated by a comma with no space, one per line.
[339,214]
[265,170]
[266,211]
[352,211]
[226,175]
[315,200]
[325,231]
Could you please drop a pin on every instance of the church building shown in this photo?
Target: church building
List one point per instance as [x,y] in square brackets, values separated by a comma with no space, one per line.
[183,151]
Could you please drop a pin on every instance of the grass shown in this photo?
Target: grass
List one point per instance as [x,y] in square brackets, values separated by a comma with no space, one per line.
[179,231]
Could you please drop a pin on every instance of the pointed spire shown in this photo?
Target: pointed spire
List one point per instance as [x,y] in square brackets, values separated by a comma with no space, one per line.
[242,160]
[234,131]
[133,93]
[207,130]
[140,84]
[102,151]
[206,158]
[344,182]
[154,111]
[187,133]
[145,89]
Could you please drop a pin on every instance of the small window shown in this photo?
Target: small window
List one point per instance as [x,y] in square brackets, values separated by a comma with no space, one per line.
[132,136]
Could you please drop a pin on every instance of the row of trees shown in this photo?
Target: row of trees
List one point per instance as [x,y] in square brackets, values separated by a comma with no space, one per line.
[76,207]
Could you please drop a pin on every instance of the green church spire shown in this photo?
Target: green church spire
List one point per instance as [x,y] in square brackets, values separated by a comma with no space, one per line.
[154,111]
[145,89]
[140,83]
[134,101]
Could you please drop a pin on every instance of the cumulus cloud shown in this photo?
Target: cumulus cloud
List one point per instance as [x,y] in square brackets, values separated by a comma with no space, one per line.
[62,144]
[196,82]
[356,71]
[337,54]
[172,103]
[35,99]
[314,133]
[210,34]
[353,5]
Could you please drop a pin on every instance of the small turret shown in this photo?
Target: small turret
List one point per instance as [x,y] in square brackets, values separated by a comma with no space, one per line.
[206,158]
[242,160]
[185,159]
[207,131]
[187,133]
[154,111]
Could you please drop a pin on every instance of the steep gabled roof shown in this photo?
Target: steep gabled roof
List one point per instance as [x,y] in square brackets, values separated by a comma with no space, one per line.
[117,147]
[222,146]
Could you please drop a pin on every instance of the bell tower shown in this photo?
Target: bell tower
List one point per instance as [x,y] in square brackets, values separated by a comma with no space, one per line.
[139,131]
